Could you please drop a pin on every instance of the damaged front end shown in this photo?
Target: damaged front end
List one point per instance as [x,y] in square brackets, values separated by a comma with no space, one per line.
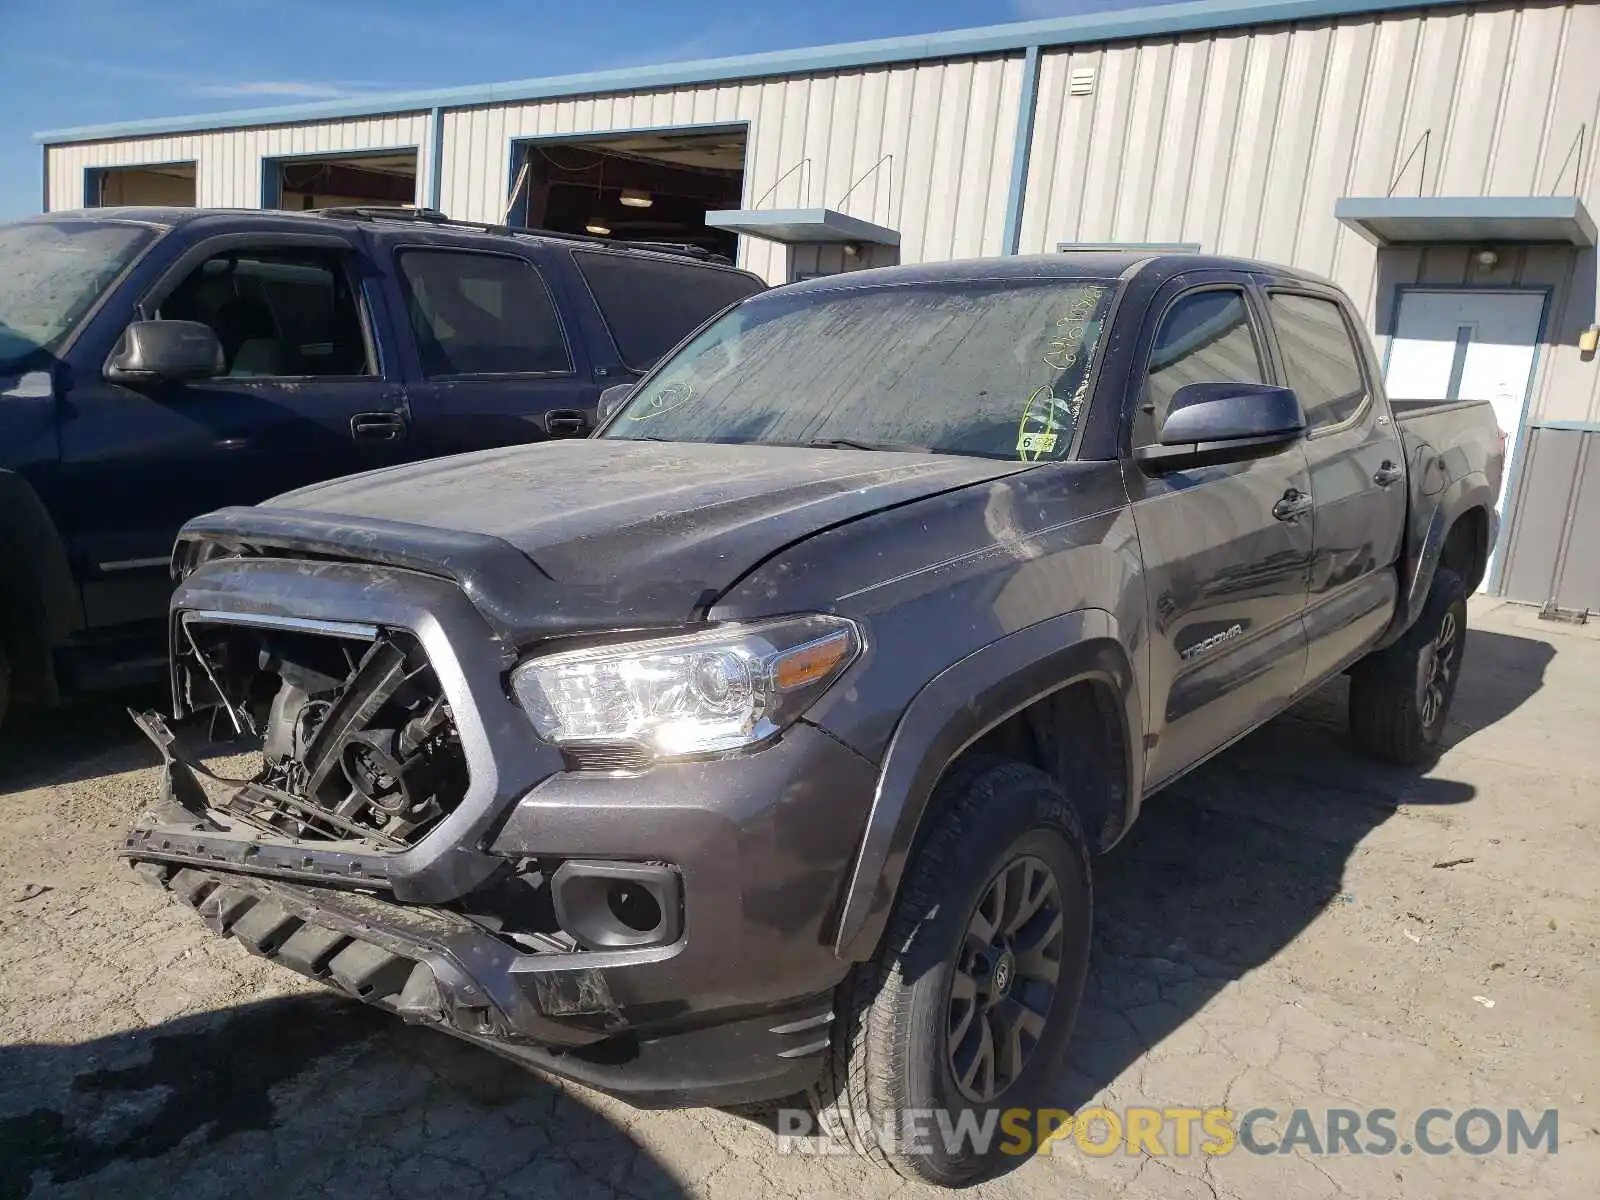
[358,742]
[353,792]
[329,750]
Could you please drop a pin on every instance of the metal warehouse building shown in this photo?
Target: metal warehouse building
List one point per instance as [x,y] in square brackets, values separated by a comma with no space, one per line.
[1436,159]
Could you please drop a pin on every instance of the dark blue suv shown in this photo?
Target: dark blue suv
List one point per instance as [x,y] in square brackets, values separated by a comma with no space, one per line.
[159,363]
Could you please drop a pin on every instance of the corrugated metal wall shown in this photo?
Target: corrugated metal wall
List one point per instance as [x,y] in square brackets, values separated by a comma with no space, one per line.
[228,161]
[1240,140]
[1553,556]
[949,126]
[1243,140]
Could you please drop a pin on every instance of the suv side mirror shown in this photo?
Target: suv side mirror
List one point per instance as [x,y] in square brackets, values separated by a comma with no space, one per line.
[613,398]
[161,351]
[1211,423]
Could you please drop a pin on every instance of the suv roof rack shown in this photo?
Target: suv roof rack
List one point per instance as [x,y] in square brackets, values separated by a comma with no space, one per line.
[432,216]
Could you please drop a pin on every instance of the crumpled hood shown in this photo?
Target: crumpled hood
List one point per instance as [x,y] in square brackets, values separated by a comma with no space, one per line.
[644,532]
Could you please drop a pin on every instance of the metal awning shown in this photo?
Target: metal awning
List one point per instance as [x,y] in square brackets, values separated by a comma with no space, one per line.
[801,226]
[1418,220]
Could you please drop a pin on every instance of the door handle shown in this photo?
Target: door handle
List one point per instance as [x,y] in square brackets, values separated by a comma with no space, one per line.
[378,426]
[1387,474]
[565,422]
[1294,505]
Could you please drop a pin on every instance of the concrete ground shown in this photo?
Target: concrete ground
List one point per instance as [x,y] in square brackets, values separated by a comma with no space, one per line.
[1281,930]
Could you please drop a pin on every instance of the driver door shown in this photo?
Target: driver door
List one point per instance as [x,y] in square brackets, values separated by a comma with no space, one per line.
[1225,578]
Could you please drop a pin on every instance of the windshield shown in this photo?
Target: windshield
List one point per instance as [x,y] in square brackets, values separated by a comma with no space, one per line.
[994,368]
[51,273]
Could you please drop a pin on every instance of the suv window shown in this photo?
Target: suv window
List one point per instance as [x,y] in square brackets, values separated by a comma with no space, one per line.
[51,274]
[482,314]
[651,304]
[1204,338]
[287,313]
[1320,358]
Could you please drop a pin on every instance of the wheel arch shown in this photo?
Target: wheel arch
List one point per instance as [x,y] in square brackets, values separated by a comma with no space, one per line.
[1459,532]
[956,710]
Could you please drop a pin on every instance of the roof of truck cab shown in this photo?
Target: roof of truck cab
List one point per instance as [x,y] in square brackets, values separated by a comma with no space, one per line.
[1072,264]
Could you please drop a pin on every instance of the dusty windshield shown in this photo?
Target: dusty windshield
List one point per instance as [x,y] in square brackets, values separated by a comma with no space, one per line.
[996,368]
[51,273]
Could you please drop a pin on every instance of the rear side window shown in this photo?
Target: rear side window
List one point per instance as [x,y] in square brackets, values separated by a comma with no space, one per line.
[481,314]
[652,304]
[1205,337]
[1320,359]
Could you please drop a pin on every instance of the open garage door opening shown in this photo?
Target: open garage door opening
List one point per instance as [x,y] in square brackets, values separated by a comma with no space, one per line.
[171,185]
[344,181]
[649,187]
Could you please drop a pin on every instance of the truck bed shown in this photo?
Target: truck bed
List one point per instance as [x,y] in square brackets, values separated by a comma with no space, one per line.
[1462,435]
[1452,447]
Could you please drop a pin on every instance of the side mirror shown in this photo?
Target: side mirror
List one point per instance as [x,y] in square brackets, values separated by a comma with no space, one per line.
[1211,423]
[161,351]
[613,398]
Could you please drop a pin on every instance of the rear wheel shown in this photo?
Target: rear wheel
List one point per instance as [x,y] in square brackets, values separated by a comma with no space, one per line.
[1400,697]
[970,1002]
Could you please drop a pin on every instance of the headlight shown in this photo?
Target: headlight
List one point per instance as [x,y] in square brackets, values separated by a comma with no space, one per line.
[693,695]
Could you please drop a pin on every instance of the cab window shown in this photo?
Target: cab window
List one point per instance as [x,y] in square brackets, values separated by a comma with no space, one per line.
[283,313]
[1205,337]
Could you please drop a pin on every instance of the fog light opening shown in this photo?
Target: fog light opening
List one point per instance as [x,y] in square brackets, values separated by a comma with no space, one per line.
[634,906]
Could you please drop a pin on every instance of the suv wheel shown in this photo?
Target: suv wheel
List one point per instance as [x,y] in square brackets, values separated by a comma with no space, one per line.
[5,683]
[969,1004]
[1400,697]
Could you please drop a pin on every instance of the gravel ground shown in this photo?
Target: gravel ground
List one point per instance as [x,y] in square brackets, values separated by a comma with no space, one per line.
[1280,930]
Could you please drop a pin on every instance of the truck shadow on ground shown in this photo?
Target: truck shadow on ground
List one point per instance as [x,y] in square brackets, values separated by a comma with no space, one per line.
[88,738]
[1230,864]
[297,1095]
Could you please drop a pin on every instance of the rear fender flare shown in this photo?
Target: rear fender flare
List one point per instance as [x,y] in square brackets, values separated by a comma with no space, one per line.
[1464,494]
[949,714]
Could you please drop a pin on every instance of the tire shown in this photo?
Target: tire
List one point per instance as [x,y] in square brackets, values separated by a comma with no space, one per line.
[1400,697]
[5,684]
[896,1049]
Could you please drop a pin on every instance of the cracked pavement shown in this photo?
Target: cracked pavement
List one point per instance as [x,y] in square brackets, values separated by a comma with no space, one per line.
[1281,929]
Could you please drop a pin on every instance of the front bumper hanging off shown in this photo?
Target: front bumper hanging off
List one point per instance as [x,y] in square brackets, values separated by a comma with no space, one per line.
[432,970]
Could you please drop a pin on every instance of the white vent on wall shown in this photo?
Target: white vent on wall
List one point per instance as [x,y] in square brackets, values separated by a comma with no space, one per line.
[1081,82]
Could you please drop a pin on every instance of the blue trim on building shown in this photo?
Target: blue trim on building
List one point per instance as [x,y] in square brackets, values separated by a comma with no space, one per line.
[1021,152]
[1161,21]
[516,205]
[271,184]
[436,157]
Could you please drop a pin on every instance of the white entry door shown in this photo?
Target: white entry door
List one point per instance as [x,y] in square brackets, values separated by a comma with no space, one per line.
[1468,344]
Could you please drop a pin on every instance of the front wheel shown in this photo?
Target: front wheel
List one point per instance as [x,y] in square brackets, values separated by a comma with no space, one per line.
[967,1008]
[5,683]
[1400,697]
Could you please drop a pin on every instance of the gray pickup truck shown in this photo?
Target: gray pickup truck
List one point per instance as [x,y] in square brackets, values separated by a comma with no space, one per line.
[760,744]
